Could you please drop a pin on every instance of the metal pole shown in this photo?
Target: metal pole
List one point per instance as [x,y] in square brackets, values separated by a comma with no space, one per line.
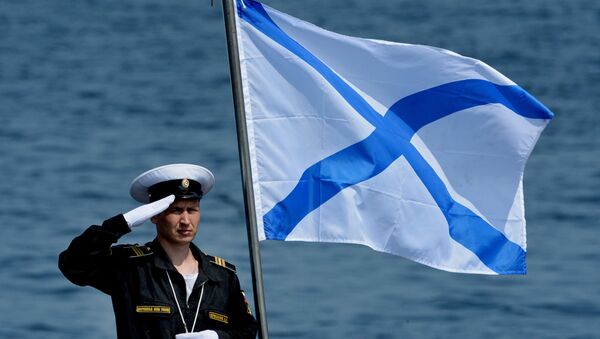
[242,135]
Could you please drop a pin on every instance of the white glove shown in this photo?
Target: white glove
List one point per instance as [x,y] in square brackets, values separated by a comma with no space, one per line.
[137,216]
[206,334]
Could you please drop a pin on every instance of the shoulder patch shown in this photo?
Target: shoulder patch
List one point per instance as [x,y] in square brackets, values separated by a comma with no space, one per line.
[131,251]
[248,310]
[220,262]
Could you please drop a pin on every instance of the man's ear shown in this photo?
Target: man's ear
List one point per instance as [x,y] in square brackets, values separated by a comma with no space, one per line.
[154,219]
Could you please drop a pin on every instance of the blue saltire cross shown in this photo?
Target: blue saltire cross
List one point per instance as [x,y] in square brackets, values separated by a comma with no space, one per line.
[390,140]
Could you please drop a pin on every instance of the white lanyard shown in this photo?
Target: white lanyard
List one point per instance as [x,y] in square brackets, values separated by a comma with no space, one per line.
[179,308]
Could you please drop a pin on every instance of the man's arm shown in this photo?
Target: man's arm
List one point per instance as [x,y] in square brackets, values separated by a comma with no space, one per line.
[87,260]
[244,326]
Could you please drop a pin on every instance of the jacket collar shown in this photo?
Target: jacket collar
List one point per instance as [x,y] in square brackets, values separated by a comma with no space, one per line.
[205,271]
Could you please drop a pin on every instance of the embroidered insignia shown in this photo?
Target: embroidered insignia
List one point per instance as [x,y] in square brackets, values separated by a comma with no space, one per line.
[153,309]
[131,251]
[218,317]
[139,251]
[220,262]
[248,310]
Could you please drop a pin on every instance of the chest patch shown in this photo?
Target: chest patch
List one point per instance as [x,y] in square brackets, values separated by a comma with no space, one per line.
[153,309]
[218,317]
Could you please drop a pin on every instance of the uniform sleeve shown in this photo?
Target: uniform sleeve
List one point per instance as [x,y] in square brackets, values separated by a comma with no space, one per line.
[87,260]
[244,326]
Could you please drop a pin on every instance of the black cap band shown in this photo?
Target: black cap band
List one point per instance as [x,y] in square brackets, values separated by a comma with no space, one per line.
[181,188]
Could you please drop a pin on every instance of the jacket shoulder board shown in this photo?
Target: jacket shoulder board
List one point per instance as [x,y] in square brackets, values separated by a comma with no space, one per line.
[131,251]
[220,262]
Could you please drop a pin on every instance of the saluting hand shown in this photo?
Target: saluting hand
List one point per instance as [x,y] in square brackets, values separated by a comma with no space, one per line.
[137,216]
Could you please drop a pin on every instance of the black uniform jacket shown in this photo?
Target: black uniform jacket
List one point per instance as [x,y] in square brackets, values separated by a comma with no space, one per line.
[136,279]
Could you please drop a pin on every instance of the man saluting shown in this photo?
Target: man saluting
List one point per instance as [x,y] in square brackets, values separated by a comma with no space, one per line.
[167,288]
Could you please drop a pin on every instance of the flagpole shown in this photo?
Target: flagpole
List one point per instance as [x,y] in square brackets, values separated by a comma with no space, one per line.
[243,149]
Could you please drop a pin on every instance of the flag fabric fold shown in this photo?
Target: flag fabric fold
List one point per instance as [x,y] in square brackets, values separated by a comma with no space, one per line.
[408,149]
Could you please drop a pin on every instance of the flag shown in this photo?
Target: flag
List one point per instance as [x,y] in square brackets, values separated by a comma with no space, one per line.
[408,149]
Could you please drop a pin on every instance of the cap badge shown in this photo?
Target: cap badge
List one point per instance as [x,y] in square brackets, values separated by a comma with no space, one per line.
[185,183]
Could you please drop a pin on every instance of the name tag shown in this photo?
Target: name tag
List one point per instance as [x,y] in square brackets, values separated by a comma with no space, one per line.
[153,309]
[218,317]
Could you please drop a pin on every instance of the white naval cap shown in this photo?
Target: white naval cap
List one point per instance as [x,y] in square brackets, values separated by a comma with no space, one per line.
[185,181]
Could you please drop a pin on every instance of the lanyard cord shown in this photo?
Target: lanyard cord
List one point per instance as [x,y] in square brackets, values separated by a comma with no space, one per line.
[198,308]
[179,307]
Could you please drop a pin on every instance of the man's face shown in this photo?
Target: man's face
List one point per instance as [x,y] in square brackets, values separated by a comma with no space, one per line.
[178,224]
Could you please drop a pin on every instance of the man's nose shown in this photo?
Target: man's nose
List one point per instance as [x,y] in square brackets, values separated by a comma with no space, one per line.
[185,218]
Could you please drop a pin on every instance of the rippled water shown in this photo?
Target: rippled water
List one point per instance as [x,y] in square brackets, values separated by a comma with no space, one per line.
[94,92]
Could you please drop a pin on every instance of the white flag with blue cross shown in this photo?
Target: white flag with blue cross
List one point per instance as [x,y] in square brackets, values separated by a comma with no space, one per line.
[408,149]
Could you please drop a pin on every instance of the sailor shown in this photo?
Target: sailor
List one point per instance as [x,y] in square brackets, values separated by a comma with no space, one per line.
[166,288]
